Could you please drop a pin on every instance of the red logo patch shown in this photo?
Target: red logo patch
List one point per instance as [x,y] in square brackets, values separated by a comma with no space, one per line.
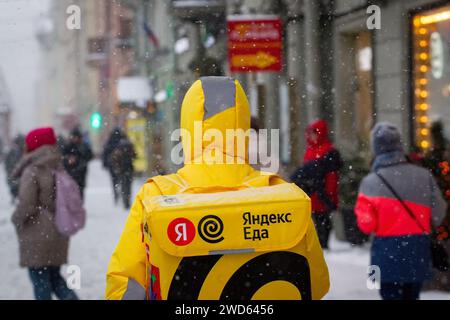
[181,231]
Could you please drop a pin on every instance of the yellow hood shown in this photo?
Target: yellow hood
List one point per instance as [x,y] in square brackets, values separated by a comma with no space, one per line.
[211,106]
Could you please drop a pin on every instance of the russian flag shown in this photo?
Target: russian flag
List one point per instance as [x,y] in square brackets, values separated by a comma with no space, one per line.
[151,35]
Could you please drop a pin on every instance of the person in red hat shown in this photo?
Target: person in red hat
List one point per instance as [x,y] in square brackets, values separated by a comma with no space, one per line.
[319,177]
[40,137]
[42,248]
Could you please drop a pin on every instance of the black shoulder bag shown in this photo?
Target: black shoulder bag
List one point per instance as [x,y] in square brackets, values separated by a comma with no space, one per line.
[439,256]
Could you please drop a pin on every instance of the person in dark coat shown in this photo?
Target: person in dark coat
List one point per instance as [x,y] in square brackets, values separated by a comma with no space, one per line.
[42,248]
[401,247]
[122,165]
[437,152]
[319,177]
[112,142]
[437,161]
[12,158]
[61,142]
[76,156]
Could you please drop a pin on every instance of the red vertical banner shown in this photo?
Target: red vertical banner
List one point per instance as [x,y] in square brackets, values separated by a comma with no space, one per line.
[254,43]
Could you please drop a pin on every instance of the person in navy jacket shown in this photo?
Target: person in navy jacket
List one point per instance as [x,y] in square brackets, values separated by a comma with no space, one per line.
[319,177]
[401,247]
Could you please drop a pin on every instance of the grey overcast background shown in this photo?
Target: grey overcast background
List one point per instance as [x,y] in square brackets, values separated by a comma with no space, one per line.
[20,56]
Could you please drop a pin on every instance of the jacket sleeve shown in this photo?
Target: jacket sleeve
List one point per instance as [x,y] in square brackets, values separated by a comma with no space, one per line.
[334,163]
[126,275]
[438,204]
[366,213]
[28,199]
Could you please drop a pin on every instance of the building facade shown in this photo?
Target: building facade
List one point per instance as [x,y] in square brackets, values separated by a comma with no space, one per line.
[81,66]
[351,62]
[66,88]
[407,81]
[338,64]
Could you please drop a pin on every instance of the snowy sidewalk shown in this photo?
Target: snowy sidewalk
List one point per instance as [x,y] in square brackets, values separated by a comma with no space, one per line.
[92,248]
[348,274]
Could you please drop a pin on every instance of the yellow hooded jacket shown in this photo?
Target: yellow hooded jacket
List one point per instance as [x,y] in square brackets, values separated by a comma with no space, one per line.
[211,103]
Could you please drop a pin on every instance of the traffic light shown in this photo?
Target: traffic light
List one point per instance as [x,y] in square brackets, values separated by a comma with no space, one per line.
[96,120]
[169,89]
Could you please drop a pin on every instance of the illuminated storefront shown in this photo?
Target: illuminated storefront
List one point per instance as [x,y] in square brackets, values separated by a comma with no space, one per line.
[431,72]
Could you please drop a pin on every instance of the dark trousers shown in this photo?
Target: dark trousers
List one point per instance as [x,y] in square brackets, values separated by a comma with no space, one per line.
[400,290]
[125,186]
[48,280]
[82,187]
[115,179]
[122,187]
[322,221]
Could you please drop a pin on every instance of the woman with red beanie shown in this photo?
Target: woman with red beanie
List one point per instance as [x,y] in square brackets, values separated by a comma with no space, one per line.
[42,248]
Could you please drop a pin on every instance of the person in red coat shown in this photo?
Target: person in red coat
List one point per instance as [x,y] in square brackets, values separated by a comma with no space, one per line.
[319,177]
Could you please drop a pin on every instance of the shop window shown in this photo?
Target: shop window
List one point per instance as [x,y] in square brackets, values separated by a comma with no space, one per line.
[431,72]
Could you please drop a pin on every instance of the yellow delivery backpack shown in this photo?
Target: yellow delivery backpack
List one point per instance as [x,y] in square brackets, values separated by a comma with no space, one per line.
[248,242]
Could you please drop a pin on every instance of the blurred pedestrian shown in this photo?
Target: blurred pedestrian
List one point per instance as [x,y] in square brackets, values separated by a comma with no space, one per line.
[76,156]
[436,154]
[42,248]
[113,140]
[399,202]
[121,163]
[12,158]
[60,142]
[319,177]
[437,160]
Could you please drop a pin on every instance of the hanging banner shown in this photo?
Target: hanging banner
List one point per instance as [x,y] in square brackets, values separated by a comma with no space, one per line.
[254,43]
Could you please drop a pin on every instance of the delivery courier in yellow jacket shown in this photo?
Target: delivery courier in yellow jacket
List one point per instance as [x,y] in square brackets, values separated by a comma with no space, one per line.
[218,229]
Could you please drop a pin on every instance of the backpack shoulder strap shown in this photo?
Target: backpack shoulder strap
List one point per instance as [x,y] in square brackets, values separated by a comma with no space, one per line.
[170,184]
[174,183]
[258,179]
[402,202]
